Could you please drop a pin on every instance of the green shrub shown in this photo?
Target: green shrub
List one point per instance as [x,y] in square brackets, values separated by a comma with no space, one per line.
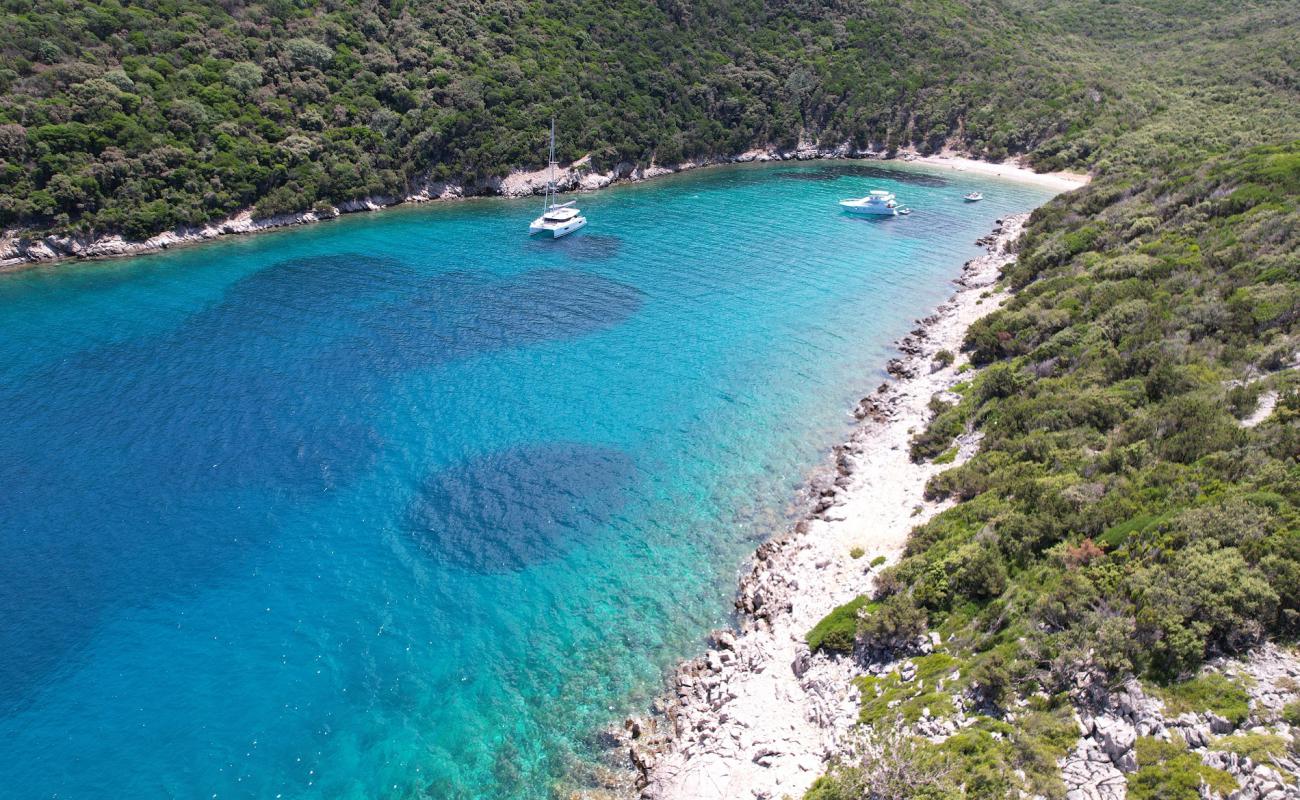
[1261,748]
[979,572]
[1291,713]
[837,631]
[1204,597]
[856,553]
[894,622]
[1168,771]
[1210,692]
[948,423]
[999,382]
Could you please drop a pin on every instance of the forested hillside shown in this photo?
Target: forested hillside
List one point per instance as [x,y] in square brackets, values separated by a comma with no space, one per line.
[1134,506]
[1133,509]
[139,116]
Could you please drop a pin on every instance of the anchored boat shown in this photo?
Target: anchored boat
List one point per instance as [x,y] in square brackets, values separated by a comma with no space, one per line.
[879,203]
[557,219]
[973,197]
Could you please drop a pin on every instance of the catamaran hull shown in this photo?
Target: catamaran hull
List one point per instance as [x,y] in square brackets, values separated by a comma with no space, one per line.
[556,231]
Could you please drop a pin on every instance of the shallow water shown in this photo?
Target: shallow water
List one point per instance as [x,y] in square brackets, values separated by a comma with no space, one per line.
[408,504]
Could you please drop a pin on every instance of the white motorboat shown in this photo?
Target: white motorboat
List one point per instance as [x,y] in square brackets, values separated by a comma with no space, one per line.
[879,202]
[973,197]
[557,219]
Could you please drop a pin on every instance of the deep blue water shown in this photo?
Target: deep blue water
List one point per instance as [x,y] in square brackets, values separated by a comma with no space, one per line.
[409,505]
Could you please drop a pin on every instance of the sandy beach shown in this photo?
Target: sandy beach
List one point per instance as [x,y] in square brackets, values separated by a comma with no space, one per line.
[757,715]
[1011,169]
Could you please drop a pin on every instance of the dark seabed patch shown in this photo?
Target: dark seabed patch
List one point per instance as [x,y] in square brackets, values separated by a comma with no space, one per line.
[521,506]
[463,314]
[583,246]
[115,462]
[154,411]
[879,173]
[307,284]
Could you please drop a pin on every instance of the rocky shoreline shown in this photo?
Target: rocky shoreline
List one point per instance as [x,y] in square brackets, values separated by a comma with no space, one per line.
[18,250]
[758,715]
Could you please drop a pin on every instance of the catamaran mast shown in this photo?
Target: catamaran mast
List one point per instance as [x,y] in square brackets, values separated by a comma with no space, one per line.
[547,199]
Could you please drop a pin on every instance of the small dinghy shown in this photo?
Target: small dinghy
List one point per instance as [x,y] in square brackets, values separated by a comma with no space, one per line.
[973,197]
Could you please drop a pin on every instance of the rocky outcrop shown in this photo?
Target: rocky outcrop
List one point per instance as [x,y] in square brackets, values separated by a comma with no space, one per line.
[1111,722]
[1090,773]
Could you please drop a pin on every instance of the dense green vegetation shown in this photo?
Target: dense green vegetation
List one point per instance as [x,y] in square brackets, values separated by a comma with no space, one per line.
[1120,518]
[138,116]
[143,115]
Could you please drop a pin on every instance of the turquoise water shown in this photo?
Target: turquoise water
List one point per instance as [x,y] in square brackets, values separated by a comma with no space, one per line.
[409,505]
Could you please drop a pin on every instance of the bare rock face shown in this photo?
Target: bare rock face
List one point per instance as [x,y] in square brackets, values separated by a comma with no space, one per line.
[1110,722]
[1116,737]
[1268,674]
[1091,774]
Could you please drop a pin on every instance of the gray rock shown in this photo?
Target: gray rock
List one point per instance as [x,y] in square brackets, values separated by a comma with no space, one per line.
[1116,737]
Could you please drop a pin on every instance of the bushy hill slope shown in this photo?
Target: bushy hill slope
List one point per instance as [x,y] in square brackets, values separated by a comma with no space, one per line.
[1119,518]
[139,116]
[1134,507]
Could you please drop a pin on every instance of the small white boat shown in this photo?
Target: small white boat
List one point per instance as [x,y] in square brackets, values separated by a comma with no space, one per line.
[557,219]
[973,197]
[879,202]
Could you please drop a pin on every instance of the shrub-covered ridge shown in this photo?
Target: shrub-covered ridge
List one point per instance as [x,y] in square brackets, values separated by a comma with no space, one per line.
[135,117]
[1121,518]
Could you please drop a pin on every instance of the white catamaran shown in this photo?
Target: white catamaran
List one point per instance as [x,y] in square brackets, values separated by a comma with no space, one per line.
[557,219]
